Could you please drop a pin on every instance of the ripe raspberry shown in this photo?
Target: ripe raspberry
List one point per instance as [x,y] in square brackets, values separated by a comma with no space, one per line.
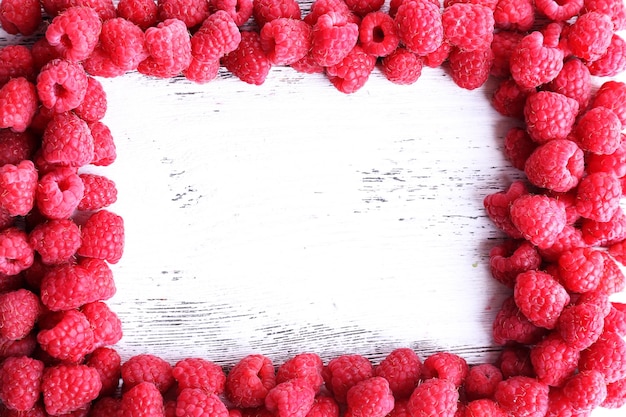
[19,311]
[540,298]
[99,192]
[123,42]
[67,388]
[604,233]
[191,12]
[199,373]
[352,72]
[18,183]
[66,287]
[503,44]
[590,36]
[249,381]
[18,104]
[290,398]
[556,165]
[142,400]
[16,61]
[570,238]
[20,16]
[470,70]
[574,81]
[514,360]
[267,10]
[285,40]
[518,146]
[69,339]
[62,85]
[599,131]
[420,27]
[104,8]
[498,206]
[371,397]
[248,62]
[580,325]
[580,269]
[239,10]
[509,98]
[107,327]
[468,26]
[598,196]
[56,241]
[533,63]
[559,10]
[217,37]
[67,141]
[615,321]
[607,355]
[615,394]
[613,61]
[74,33]
[377,34]
[196,402]
[511,258]
[305,366]
[481,381]
[104,152]
[108,363]
[613,164]
[585,390]
[103,286]
[402,67]
[103,237]
[323,407]
[59,193]
[540,219]
[143,13]
[522,396]
[147,368]
[445,365]
[20,379]
[16,254]
[202,72]
[345,371]
[105,407]
[94,105]
[402,369]
[438,56]
[612,95]
[549,116]
[333,38]
[99,64]
[554,360]
[169,48]
[434,397]
[514,15]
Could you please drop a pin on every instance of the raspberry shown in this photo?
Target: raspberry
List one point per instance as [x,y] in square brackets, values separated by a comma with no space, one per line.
[613,164]
[59,193]
[123,42]
[539,218]
[285,40]
[363,7]
[103,237]
[19,311]
[104,8]
[249,381]
[142,400]
[305,366]
[324,407]
[604,233]
[69,339]
[267,10]
[511,258]
[470,70]
[533,63]
[239,10]
[574,81]
[509,98]
[599,131]
[377,34]
[108,363]
[16,254]
[468,26]
[402,67]
[590,36]
[581,325]
[105,407]
[217,37]
[62,85]
[352,72]
[514,15]
[434,397]
[559,10]
[67,141]
[143,13]
[66,287]
[56,241]
[345,371]
[522,396]
[147,368]
[615,321]
[202,72]
[498,206]
[103,286]
[22,347]
[518,146]
[74,33]
[557,165]
[549,116]
[43,53]
[191,12]
[333,38]
[481,381]
[20,379]
[445,365]
[615,394]
[540,298]
[598,196]
[419,25]
[18,104]
[613,8]
[196,402]
[607,355]
[290,398]
[104,152]
[580,269]
[570,238]
[100,64]
[18,183]
[402,369]
[107,327]
[515,360]
[20,16]
[554,360]
[169,48]
[99,192]
[503,44]
[585,390]
[613,61]
[199,373]
[612,95]
[438,56]
[16,61]
[371,397]
[94,105]
[248,62]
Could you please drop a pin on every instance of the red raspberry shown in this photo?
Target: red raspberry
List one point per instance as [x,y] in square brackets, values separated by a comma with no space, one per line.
[533,63]
[615,321]
[94,105]
[559,10]
[267,10]
[514,360]
[554,360]
[123,42]
[67,141]
[43,53]
[615,394]
[62,85]
[518,146]
[20,379]
[74,33]
[363,7]
[503,44]
[239,10]
[16,61]
[557,165]
[481,381]
[598,196]
[471,69]
[613,164]
[371,397]
[18,183]
[613,62]
[612,95]
[196,402]
[69,339]
[100,64]
[540,298]
[143,13]
[468,26]
[169,48]
[290,398]
[345,371]
[604,233]
[514,15]
[509,98]
[607,355]
[402,67]
[585,390]
[19,311]
[580,269]
[66,287]
[142,400]
[105,407]
[104,8]
[18,104]
[511,258]
[539,218]
[147,368]
[574,81]
[522,396]
[20,16]
[16,254]
[510,325]
[402,369]
[56,241]
[248,62]
[599,131]
[59,193]
[549,116]
[99,192]
[107,327]
[420,27]
[249,381]
[352,72]
[333,38]
[199,373]
[285,40]
[438,56]
[616,9]
[104,152]
[324,407]
[590,36]
[202,72]
[108,363]
[498,207]
[580,325]
[103,286]
[378,35]
[191,12]
[434,397]
[217,37]
[305,366]
[570,238]
[445,365]
[103,237]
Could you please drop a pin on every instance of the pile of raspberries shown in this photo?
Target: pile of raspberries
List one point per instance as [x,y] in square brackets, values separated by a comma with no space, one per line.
[563,350]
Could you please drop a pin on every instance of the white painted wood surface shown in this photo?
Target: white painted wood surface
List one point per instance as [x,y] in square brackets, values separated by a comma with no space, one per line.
[289,217]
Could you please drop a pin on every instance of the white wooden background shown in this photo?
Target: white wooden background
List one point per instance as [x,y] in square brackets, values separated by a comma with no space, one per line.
[290,217]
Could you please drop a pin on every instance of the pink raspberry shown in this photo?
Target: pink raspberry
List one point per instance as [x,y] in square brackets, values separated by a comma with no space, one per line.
[574,81]
[202,72]
[218,36]
[107,327]
[511,258]
[540,298]
[248,62]
[613,164]
[554,360]
[613,61]
[616,9]
[194,401]
[518,146]
[20,379]
[147,368]
[16,146]
[503,44]
[267,10]
[103,237]
[615,394]
[612,95]
[285,40]
[615,321]
[94,105]
[580,325]
[549,116]
[71,338]
[191,12]
[305,366]
[599,131]
[352,72]
[402,368]
[56,241]
[323,407]
[123,42]
[539,218]
[108,363]
[144,399]
[16,61]
[377,34]
[143,13]
[590,36]
[514,360]
[438,56]
[16,255]
[570,238]
[559,10]
[20,16]
[18,104]
[67,141]
[371,397]
[509,98]
[533,63]
[518,15]
[598,196]
[363,7]
[103,286]
[604,233]
[62,85]
[199,373]
[59,193]
[99,192]
[434,397]
[345,371]
[99,64]
[19,311]
[239,10]
[104,152]
[290,398]
[607,355]
[498,207]
[104,8]
[402,67]
[445,365]
[470,70]
[169,48]
[580,269]
[585,390]
[307,65]
[481,381]
[18,183]
[420,27]
[522,396]
[333,38]
[250,380]
[74,33]
[65,287]
[556,165]
[468,26]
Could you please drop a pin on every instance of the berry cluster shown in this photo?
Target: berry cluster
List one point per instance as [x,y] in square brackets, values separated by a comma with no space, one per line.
[563,352]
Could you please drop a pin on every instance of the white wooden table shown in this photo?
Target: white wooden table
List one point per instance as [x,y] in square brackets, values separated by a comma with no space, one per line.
[290,217]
